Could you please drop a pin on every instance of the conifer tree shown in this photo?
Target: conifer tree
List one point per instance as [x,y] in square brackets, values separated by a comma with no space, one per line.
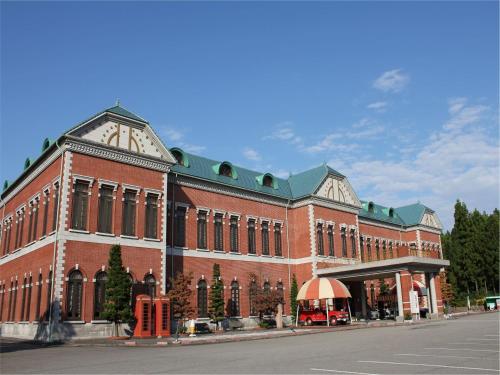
[216,309]
[294,290]
[117,296]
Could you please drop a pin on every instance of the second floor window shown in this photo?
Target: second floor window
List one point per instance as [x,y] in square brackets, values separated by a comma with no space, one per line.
[105,218]
[45,212]
[202,230]
[265,238]
[129,210]
[362,250]
[353,243]
[369,250]
[319,239]
[180,226]
[344,243]
[391,252]
[151,225]
[233,229]
[277,239]
[331,244]
[80,205]
[384,250]
[377,249]
[251,236]
[55,206]
[218,233]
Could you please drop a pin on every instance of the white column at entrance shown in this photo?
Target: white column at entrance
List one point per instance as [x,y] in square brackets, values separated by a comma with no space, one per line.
[433,303]
[363,299]
[399,295]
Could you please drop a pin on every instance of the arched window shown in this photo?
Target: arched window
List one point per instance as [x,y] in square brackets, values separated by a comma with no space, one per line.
[235,299]
[377,249]
[23,300]
[150,282]
[39,297]
[371,207]
[49,295]
[225,170]
[344,242]
[369,249]
[281,292]
[202,299]
[99,293]
[362,248]
[9,312]
[353,243]
[28,300]
[178,156]
[319,239]
[14,303]
[267,181]
[252,294]
[266,287]
[74,295]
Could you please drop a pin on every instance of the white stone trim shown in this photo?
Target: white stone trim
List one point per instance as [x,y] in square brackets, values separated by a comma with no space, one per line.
[102,181]
[148,191]
[135,188]
[312,240]
[80,177]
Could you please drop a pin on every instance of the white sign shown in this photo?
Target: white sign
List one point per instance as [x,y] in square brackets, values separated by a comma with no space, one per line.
[414,302]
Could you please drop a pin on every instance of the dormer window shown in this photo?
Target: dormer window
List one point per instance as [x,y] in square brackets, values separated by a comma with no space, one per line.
[371,207]
[225,169]
[180,157]
[267,181]
[391,212]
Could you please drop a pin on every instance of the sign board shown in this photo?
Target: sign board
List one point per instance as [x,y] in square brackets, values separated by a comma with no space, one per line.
[414,302]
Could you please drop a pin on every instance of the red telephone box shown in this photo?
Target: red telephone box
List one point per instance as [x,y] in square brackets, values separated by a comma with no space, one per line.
[162,306]
[143,315]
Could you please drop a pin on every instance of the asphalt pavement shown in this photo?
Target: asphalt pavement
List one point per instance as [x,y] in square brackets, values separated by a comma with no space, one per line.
[468,345]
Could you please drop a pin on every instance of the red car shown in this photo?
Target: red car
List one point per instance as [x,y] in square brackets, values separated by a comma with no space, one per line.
[308,317]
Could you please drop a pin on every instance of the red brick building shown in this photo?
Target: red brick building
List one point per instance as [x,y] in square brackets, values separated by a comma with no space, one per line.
[110,180]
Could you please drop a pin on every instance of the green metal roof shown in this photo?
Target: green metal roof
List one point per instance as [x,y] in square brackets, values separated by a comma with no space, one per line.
[307,182]
[413,213]
[117,110]
[380,213]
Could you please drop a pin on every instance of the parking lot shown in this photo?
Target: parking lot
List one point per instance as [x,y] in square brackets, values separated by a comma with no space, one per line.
[469,345]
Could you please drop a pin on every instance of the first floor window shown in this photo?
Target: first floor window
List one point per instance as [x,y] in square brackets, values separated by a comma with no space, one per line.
[202,299]
[99,293]
[74,295]
[80,205]
[235,299]
[39,297]
[23,300]
[28,300]
[252,294]
[281,292]
[49,295]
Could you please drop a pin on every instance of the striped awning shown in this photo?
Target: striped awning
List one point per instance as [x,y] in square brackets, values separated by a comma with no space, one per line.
[321,288]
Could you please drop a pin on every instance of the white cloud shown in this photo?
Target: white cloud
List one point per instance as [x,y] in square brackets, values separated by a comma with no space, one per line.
[251,154]
[463,115]
[284,132]
[392,81]
[456,104]
[170,135]
[377,106]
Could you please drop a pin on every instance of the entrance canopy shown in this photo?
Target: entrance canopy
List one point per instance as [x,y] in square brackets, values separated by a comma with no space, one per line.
[321,288]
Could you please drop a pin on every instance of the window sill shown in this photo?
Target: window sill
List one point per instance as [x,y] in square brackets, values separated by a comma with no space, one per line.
[41,238]
[279,256]
[219,251]
[252,254]
[235,253]
[105,234]
[74,322]
[321,256]
[4,256]
[15,251]
[99,321]
[203,250]
[129,237]
[29,244]
[24,322]
[79,231]
[236,317]
[151,239]
[51,233]
[266,256]
[181,247]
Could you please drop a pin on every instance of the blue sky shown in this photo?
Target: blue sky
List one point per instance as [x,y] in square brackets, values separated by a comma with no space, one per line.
[400,97]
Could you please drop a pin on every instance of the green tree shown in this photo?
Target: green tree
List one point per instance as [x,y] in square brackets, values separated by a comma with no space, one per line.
[294,290]
[117,300]
[216,309]
[180,297]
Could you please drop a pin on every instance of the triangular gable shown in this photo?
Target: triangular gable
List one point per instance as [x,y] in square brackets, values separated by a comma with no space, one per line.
[430,219]
[338,189]
[122,129]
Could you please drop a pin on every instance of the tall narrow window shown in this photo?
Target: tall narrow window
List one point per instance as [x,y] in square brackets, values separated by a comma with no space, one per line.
[49,295]
[202,299]
[2,291]
[150,282]
[23,300]
[331,241]
[369,249]
[252,295]
[235,299]
[74,295]
[202,229]
[105,218]
[218,233]
[152,216]
[233,233]
[251,236]
[319,239]
[391,252]
[80,205]
[18,226]
[14,302]
[11,293]
[28,300]
[99,293]
[265,238]
[129,209]
[344,242]
[277,240]
[45,212]
[353,243]
[267,290]
[55,206]
[6,240]
[39,297]
[180,226]
[377,249]
[384,250]
[281,292]
[36,208]
[362,248]
[31,214]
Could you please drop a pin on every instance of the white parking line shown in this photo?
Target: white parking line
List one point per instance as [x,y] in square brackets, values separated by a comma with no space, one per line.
[466,349]
[471,343]
[440,356]
[427,365]
[341,372]
[491,335]
[482,339]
